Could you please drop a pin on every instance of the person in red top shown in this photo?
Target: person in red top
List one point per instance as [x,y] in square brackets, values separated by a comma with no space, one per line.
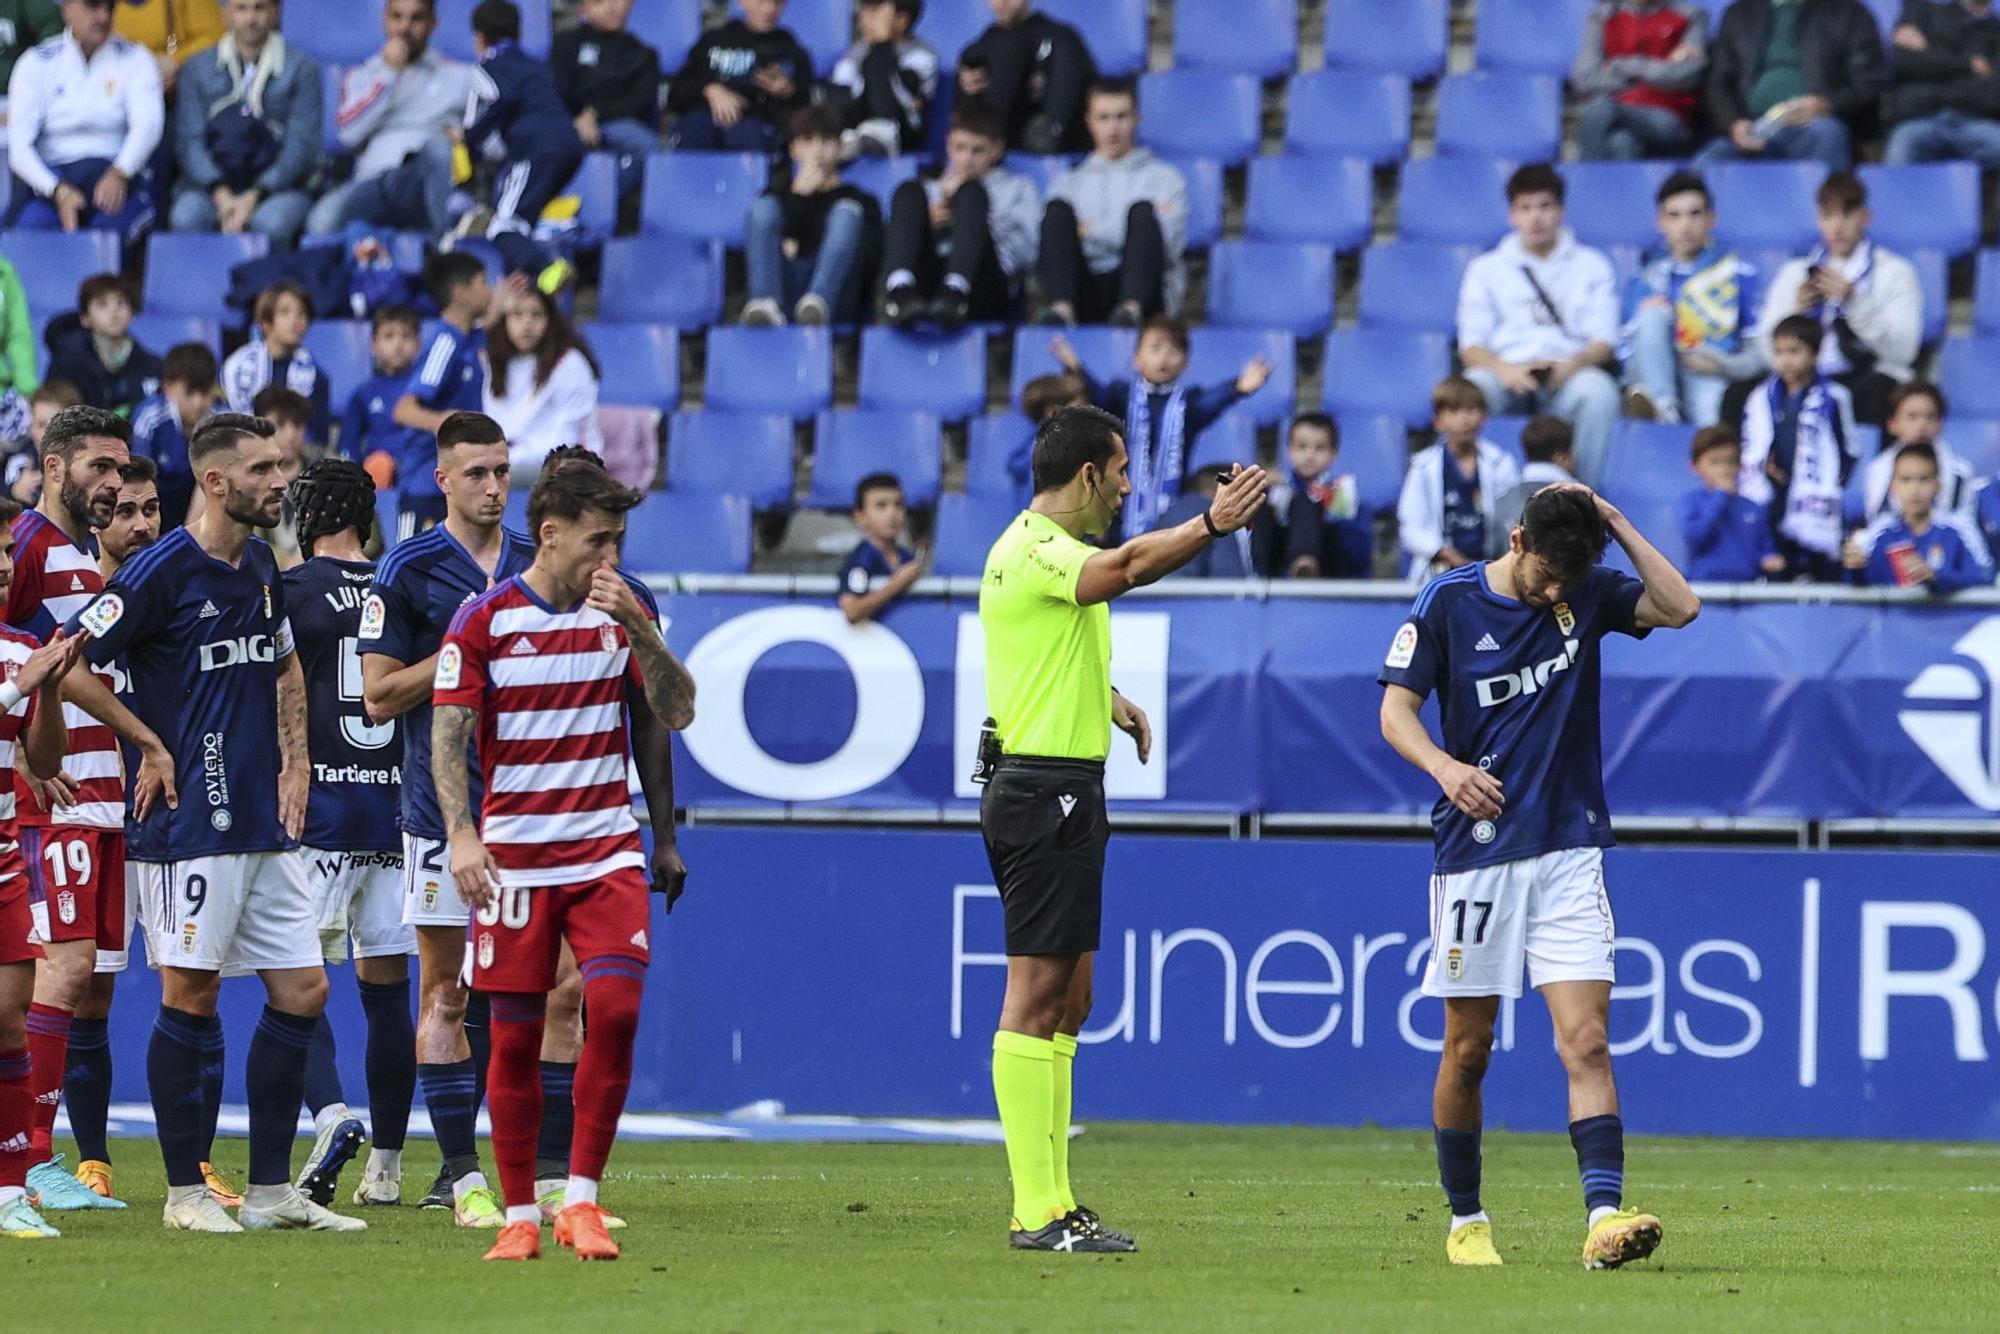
[546,670]
[1640,68]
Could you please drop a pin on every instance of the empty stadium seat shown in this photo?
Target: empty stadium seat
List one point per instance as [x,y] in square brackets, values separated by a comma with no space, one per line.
[1490,113]
[1104,351]
[967,527]
[1407,37]
[1977,440]
[1649,461]
[1115,30]
[53,265]
[340,348]
[684,532]
[638,364]
[850,443]
[1985,291]
[1387,371]
[596,187]
[704,196]
[1926,206]
[159,332]
[1659,520]
[1459,201]
[1216,354]
[1934,281]
[1540,36]
[1232,440]
[1412,285]
[187,273]
[661,280]
[1506,433]
[1271,284]
[950,26]
[1613,203]
[733,453]
[1201,113]
[1767,204]
[454,26]
[943,373]
[769,370]
[1040,168]
[1965,373]
[1204,200]
[1349,113]
[331,34]
[825,28]
[1328,200]
[671,27]
[1376,448]
[1259,37]
[879,176]
[999,456]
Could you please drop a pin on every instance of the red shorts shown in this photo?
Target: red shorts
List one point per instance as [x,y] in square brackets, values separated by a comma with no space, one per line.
[76,884]
[516,940]
[16,923]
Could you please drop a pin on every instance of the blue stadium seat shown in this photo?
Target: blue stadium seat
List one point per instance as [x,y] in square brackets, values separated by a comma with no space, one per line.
[1539,36]
[1934,281]
[661,280]
[1376,448]
[1329,200]
[1216,354]
[671,27]
[1114,30]
[1506,433]
[1412,285]
[1385,371]
[1965,373]
[1659,520]
[333,34]
[733,453]
[1458,201]
[950,26]
[1349,113]
[879,176]
[596,187]
[340,348]
[1612,203]
[769,370]
[53,265]
[999,456]
[705,196]
[1649,461]
[159,332]
[1105,352]
[1259,37]
[1201,113]
[825,28]
[850,443]
[1500,114]
[1928,206]
[1232,439]
[1977,440]
[454,27]
[1271,284]
[1985,290]
[638,364]
[329,105]
[944,373]
[680,532]
[967,527]
[1407,37]
[1767,204]
[187,273]
[1042,169]
[1204,200]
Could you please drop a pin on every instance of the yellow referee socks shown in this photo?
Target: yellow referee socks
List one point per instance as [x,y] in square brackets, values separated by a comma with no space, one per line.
[1065,1072]
[1024,1088]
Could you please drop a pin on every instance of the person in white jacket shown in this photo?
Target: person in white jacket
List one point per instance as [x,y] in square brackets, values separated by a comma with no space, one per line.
[1452,492]
[1114,236]
[541,384]
[1916,417]
[1537,318]
[1866,297]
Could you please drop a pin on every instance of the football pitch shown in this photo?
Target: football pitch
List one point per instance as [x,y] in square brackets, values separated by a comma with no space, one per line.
[1239,1229]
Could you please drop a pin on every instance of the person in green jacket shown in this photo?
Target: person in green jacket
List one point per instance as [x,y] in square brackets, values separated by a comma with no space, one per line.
[18,376]
[24,24]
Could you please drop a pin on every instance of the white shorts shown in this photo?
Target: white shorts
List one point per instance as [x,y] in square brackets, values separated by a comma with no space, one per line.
[232,913]
[430,896]
[359,896]
[1550,912]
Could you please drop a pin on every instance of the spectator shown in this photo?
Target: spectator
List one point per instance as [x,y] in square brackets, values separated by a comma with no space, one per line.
[276,354]
[1921,547]
[84,114]
[1537,316]
[288,411]
[890,78]
[879,569]
[1798,450]
[1640,66]
[959,241]
[1728,537]
[1787,79]
[1686,337]
[541,381]
[1326,529]
[1452,488]
[806,237]
[24,456]
[610,81]
[1944,98]
[1866,297]
[392,116]
[1114,237]
[92,347]
[449,377]
[162,425]
[1232,556]
[369,433]
[1916,417]
[1163,417]
[18,374]
[1034,71]
[24,25]
[741,83]
[1550,446]
[1043,396]
[174,31]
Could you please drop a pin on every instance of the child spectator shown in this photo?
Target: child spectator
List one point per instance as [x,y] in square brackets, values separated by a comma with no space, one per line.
[1798,449]
[610,81]
[518,117]
[1450,492]
[449,376]
[92,347]
[1690,310]
[1235,555]
[1163,417]
[890,77]
[369,433]
[1728,537]
[741,83]
[879,569]
[1326,529]
[1033,70]
[1920,547]
[163,423]
[541,382]
[276,354]
[959,242]
[1916,417]
[1640,68]
[805,240]
[24,456]
[289,412]
[1044,395]
[1550,446]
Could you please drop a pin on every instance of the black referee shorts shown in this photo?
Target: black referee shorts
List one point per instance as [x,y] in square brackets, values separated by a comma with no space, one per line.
[1045,830]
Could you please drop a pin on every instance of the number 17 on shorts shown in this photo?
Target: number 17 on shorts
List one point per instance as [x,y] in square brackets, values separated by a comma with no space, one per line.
[1547,915]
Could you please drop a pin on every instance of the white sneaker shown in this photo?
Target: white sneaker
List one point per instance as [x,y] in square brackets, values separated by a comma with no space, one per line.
[197,1213]
[812,309]
[286,1208]
[379,1188]
[762,313]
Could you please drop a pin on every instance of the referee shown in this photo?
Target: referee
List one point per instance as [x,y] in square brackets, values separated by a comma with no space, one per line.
[1048,688]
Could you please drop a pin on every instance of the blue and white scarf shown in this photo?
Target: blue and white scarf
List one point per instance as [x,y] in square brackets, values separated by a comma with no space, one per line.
[1155,473]
[248,371]
[1812,513]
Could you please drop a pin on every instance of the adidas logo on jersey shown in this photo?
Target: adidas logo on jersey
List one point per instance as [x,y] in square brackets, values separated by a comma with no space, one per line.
[76,583]
[1486,644]
[639,939]
[208,609]
[522,646]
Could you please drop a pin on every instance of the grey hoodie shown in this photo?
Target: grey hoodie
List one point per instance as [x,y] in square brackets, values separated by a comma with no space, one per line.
[1103,191]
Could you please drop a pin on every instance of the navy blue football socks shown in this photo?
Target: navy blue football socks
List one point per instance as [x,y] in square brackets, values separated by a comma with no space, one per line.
[274,1080]
[174,1070]
[391,1060]
[87,1088]
[1600,1159]
[1458,1169]
[558,1119]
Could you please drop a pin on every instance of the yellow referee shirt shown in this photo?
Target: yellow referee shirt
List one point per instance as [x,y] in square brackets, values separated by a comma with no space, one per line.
[1048,660]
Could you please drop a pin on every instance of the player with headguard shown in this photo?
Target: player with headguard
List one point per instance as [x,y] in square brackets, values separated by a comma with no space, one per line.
[1511,647]
[544,670]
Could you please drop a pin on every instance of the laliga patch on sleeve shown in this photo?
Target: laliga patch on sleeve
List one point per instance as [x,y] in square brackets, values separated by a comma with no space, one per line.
[101,615]
[373,616]
[857,581]
[450,661]
[1404,649]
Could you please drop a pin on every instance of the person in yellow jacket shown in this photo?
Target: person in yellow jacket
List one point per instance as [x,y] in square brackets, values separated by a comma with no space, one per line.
[173,30]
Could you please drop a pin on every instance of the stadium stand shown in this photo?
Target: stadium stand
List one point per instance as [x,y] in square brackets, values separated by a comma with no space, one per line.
[943,374]
[1349,113]
[770,370]
[718,452]
[850,443]
[638,364]
[1259,37]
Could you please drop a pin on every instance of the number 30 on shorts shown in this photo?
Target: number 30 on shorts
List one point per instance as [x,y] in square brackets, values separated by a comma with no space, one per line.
[508,908]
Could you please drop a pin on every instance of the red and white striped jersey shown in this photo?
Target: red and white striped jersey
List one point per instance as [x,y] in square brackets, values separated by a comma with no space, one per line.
[53,579]
[550,688]
[14,650]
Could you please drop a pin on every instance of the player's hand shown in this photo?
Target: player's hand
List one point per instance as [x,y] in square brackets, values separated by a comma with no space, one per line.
[1474,791]
[49,793]
[1238,499]
[1254,375]
[155,780]
[294,782]
[49,664]
[1130,719]
[610,594]
[473,869]
[669,872]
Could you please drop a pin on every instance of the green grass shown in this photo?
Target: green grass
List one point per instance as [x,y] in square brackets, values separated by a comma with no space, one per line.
[1240,1230]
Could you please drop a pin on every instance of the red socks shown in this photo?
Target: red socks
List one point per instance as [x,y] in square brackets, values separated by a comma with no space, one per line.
[48,1052]
[611,989]
[15,1102]
[514,1092]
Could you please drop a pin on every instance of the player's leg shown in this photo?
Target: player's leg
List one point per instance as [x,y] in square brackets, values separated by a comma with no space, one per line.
[62,894]
[447,1070]
[18,1218]
[1457,1115]
[1076,1009]
[337,1133]
[562,1044]
[1024,1082]
[87,1078]
[383,945]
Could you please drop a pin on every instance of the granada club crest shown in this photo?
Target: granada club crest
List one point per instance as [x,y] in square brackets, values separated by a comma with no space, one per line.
[608,636]
[66,906]
[485,949]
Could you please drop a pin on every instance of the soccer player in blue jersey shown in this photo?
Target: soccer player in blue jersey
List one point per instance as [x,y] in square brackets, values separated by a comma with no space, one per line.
[448,377]
[199,620]
[1510,646]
